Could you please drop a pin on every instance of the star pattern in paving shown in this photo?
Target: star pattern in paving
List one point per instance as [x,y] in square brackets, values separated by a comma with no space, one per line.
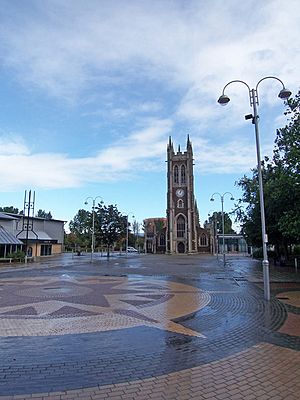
[51,306]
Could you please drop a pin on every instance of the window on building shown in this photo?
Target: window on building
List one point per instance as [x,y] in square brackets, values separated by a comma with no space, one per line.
[182,175]
[203,240]
[162,239]
[46,249]
[176,174]
[180,226]
[180,203]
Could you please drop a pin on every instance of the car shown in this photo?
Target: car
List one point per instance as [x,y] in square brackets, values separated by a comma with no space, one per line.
[131,249]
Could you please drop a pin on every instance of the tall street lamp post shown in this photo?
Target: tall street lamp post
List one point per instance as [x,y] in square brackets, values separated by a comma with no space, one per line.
[223,220]
[93,222]
[127,231]
[254,102]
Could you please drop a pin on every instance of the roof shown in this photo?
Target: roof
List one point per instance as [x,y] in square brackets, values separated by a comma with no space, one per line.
[231,235]
[19,216]
[7,216]
[155,219]
[8,238]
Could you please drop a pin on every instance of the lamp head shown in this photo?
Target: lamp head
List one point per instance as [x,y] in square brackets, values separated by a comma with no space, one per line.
[212,199]
[284,94]
[86,203]
[232,198]
[223,100]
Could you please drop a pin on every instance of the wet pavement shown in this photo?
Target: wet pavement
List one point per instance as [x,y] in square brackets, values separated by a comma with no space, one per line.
[148,327]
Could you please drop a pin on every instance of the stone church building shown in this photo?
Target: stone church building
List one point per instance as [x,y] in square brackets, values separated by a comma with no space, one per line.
[180,232]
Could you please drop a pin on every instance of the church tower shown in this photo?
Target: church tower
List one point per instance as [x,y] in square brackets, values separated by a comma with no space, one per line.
[182,214]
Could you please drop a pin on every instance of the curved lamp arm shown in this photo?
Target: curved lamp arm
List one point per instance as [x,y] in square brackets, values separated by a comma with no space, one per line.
[224,99]
[212,196]
[284,93]
[232,198]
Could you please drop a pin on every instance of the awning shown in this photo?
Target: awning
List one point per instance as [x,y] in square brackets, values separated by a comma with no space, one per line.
[8,238]
[34,235]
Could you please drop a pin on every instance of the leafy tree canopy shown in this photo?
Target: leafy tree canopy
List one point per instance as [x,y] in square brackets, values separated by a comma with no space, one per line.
[81,226]
[281,182]
[110,224]
[44,214]
[9,209]
[216,219]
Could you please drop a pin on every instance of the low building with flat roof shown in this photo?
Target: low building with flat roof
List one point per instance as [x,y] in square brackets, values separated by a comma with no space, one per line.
[38,236]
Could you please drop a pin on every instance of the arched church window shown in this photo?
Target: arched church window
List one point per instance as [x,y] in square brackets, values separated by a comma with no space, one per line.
[162,239]
[180,203]
[176,174]
[203,240]
[180,226]
[183,179]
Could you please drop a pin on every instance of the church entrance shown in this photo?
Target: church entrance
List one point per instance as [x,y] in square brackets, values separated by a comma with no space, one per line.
[181,247]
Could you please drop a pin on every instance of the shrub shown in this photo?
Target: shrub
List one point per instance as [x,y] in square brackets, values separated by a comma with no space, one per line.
[17,255]
[258,253]
[297,250]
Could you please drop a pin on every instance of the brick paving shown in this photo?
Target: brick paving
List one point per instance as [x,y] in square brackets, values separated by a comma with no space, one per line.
[148,327]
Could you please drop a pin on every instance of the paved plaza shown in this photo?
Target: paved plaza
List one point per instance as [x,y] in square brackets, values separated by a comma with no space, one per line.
[148,327]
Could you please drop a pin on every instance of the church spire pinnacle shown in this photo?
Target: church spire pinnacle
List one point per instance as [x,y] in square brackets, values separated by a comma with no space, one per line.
[189,144]
[170,145]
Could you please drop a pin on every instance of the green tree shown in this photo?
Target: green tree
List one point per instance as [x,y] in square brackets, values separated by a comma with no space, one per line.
[135,236]
[216,218]
[70,241]
[81,227]
[110,225]
[281,181]
[287,162]
[9,209]
[43,214]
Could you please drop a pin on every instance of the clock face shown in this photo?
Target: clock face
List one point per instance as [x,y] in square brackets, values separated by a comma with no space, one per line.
[179,192]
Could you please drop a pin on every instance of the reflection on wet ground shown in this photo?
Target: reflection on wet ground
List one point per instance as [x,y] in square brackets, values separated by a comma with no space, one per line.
[68,324]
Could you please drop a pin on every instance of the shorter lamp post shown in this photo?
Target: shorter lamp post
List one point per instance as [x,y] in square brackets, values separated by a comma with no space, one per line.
[214,225]
[93,222]
[137,232]
[284,94]
[223,222]
[127,232]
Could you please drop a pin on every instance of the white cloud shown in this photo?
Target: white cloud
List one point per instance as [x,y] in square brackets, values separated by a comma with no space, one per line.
[12,145]
[143,150]
[133,109]
[237,157]
[122,160]
[73,45]
[189,48]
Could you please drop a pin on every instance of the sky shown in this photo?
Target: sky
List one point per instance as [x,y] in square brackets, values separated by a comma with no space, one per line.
[91,90]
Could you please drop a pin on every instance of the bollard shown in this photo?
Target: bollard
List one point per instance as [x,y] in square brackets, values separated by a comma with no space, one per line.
[296,264]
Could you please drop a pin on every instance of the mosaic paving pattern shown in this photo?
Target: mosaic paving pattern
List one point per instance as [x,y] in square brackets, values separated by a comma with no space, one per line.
[35,307]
